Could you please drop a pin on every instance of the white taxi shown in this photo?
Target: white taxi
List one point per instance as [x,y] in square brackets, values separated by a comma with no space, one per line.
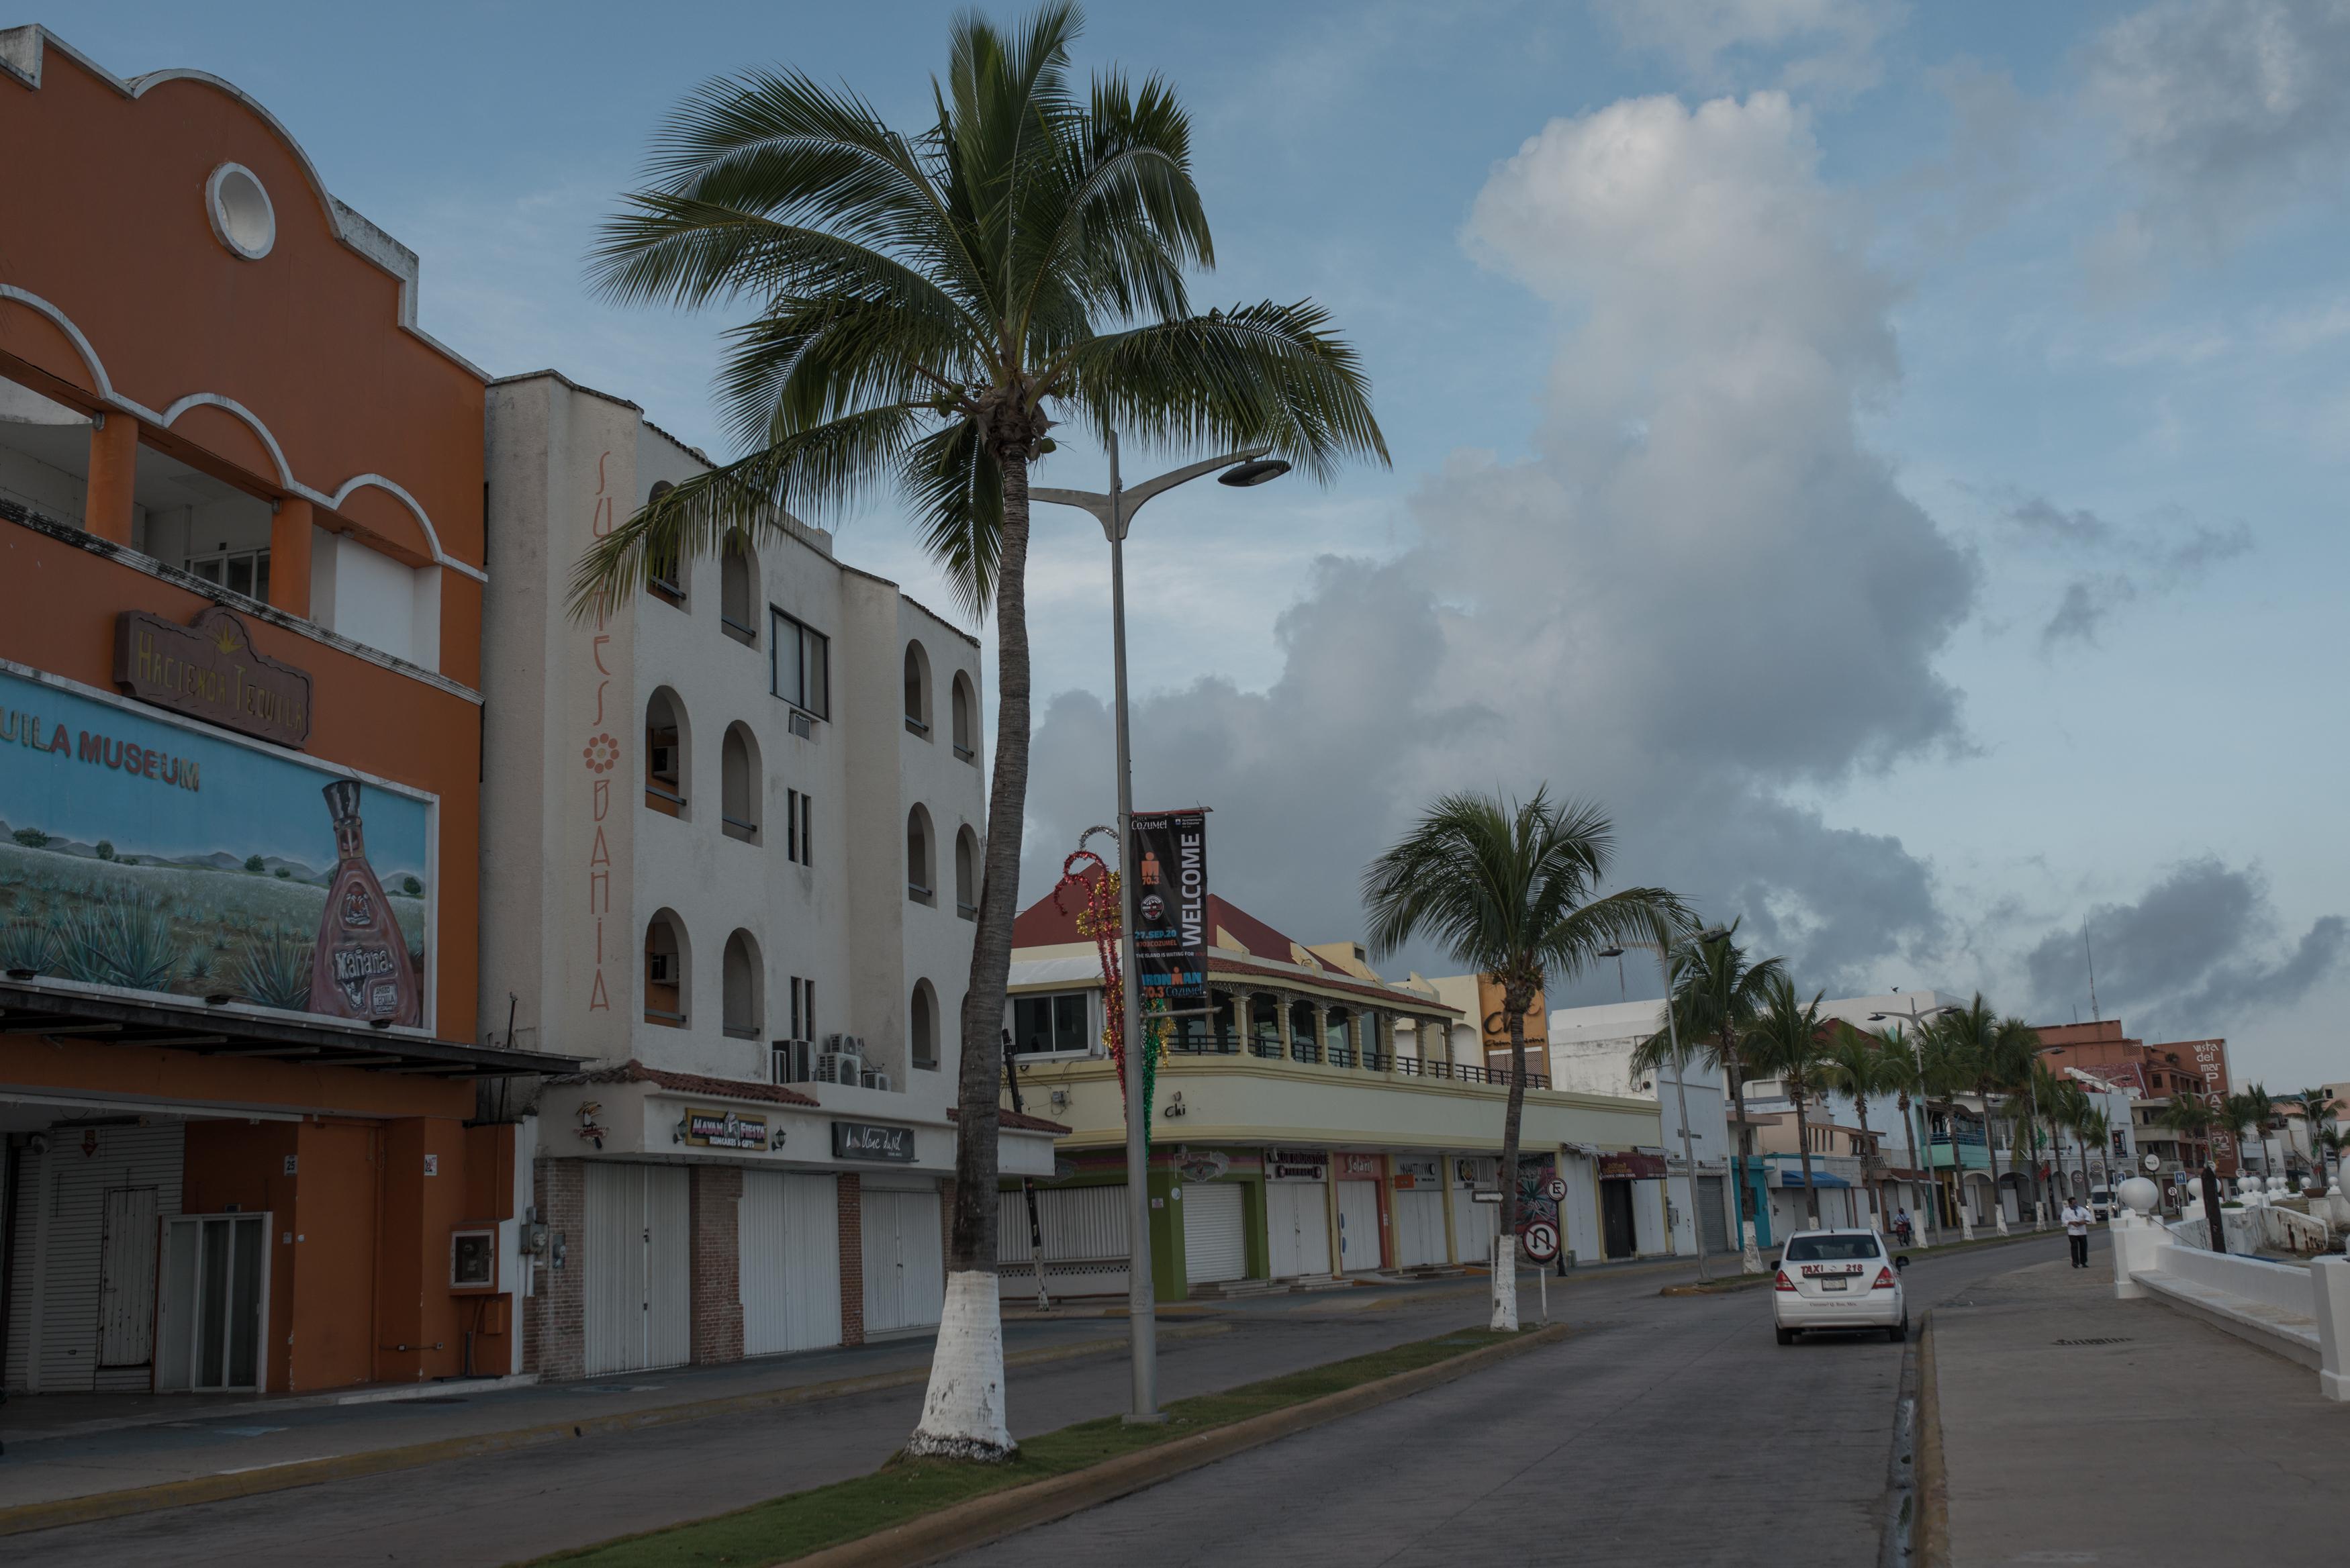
[1838,1280]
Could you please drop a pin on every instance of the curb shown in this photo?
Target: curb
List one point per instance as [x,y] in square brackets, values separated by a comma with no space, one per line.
[219,1487]
[958,1528]
[1931,1539]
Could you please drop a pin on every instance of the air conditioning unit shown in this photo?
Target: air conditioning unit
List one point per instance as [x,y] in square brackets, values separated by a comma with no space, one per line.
[837,1044]
[664,763]
[871,1079]
[834,1068]
[795,1061]
[661,968]
[853,1044]
[802,725]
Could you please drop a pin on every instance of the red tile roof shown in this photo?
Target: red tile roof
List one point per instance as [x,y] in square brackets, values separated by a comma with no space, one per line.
[1041,925]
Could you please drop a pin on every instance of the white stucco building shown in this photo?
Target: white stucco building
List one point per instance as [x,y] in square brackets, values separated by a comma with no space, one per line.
[1590,1051]
[730,850]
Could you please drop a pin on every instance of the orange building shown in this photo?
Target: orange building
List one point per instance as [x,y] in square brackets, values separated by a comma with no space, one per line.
[253,1138]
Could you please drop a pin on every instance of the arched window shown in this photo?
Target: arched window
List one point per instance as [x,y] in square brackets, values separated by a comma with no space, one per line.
[922,1026]
[967,874]
[669,965]
[667,753]
[966,719]
[665,569]
[744,991]
[918,691]
[738,783]
[919,879]
[738,576]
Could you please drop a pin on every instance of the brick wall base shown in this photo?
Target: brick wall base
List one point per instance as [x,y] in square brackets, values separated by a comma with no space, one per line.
[555,1342]
[852,1259]
[715,1199]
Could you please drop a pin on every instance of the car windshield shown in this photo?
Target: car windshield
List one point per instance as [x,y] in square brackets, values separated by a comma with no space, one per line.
[1831,1249]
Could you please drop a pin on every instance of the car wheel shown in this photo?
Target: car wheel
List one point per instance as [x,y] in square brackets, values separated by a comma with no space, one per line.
[1899,1331]
[1786,1336]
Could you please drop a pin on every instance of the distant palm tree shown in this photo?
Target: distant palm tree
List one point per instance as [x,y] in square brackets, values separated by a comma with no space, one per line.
[2247,1111]
[1788,1042]
[1994,1066]
[1947,1057]
[1509,890]
[1905,1066]
[1855,1064]
[2068,1105]
[930,305]
[1716,997]
[2189,1114]
[2095,1129]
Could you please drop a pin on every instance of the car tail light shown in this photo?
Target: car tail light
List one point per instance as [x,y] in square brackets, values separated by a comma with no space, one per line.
[1884,1280]
[1784,1283]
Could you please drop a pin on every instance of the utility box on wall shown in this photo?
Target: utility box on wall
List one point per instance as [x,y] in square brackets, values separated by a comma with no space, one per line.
[474,1258]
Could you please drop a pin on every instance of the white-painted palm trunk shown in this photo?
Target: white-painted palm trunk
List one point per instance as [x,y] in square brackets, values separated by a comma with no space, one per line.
[963,1414]
[1505,1287]
[1750,1256]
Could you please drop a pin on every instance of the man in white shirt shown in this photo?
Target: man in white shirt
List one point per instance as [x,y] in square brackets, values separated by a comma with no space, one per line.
[2076,1230]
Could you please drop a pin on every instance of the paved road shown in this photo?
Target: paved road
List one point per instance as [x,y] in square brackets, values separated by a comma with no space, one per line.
[1671,1431]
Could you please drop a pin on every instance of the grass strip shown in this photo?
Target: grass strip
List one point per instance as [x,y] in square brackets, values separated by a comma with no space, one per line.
[902,1490]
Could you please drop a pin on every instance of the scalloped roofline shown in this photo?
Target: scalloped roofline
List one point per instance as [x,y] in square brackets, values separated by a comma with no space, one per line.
[23,52]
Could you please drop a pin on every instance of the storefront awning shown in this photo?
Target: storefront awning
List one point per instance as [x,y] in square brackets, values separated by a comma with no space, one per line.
[61,1014]
[1792,1175]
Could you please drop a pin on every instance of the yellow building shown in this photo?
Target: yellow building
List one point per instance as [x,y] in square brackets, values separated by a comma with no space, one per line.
[1323,1121]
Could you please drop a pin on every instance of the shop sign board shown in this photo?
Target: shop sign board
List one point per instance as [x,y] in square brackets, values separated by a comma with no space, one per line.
[726,1129]
[873,1141]
[1620,1164]
[209,669]
[1167,908]
[146,853]
[1296,1165]
[1203,1165]
[1359,1167]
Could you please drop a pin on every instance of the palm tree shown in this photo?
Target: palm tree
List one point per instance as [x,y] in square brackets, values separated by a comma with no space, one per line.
[1944,1071]
[928,306]
[1786,1041]
[1716,997]
[2069,1106]
[1992,1068]
[1507,889]
[2248,1110]
[2190,1116]
[2015,1051]
[1855,1064]
[1905,1067]
[2094,1128]
[2316,1111]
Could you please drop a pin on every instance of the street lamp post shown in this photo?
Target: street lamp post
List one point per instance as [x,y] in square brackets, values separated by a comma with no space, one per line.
[1115,510]
[1917,1021]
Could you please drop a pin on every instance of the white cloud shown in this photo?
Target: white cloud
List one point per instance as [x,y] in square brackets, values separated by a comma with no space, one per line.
[1822,45]
[1702,592]
[2226,113]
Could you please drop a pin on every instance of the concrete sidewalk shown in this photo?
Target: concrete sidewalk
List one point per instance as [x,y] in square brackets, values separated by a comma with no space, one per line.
[2080,1428]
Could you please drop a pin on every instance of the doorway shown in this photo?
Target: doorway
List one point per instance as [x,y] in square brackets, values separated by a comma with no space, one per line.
[1617,1236]
[215,1303]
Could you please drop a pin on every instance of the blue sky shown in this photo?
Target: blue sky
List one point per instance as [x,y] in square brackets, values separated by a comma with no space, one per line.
[1888,454]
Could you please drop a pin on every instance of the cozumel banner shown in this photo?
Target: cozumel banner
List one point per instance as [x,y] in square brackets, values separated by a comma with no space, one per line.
[1167,908]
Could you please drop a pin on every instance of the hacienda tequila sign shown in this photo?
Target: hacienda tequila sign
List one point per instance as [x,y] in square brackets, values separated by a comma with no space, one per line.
[209,669]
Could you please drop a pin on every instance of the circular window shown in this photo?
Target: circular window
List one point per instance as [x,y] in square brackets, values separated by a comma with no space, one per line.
[241,215]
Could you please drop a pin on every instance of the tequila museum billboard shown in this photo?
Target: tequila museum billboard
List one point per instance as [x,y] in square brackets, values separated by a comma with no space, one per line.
[147,853]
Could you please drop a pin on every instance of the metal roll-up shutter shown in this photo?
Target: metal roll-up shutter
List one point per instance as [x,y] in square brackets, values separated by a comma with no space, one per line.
[669,1266]
[1297,1227]
[1713,1213]
[87,1292]
[1473,1226]
[1358,1226]
[1419,1227]
[1215,1244]
[790,1252]
[636,1279]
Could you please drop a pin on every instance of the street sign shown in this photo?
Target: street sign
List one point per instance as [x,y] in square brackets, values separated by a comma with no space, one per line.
[1486,1195]
[1542,1241]
[1556,1189]
[2154,1162]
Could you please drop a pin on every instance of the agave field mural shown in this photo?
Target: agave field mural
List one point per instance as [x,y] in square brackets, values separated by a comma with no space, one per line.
[146,853]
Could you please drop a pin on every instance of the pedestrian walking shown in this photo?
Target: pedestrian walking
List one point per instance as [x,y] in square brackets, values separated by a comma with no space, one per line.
[2076,1230]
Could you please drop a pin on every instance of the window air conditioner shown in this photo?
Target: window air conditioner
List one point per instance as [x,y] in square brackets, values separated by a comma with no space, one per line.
[802,725]
[795,1061]
[661,968]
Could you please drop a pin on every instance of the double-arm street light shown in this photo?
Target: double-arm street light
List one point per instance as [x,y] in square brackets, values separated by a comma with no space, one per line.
[1115,510]
[1680,1078]
[1917,1021]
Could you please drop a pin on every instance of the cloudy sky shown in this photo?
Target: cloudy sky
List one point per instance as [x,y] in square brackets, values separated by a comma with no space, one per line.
[1888,455]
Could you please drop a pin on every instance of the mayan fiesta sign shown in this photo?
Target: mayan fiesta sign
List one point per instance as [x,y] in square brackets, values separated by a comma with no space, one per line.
[209,669]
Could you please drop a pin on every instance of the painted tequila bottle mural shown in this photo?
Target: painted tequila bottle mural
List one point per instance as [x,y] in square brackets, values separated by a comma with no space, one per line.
[360,968]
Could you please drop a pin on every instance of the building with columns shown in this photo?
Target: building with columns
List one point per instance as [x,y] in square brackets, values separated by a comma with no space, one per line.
[1320,1121]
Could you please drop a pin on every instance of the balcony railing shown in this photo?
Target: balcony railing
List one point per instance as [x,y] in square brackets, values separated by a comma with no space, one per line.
[1268,1048]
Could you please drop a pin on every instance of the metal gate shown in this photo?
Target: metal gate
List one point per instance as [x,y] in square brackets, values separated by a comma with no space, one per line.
[1215,1240]
[1712,1211]
[1358,1226]
[789,1244]
[66,1331]
[634,1269]
[126,1279]
[1419,1227]
[905,1261]
[1297,1227]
